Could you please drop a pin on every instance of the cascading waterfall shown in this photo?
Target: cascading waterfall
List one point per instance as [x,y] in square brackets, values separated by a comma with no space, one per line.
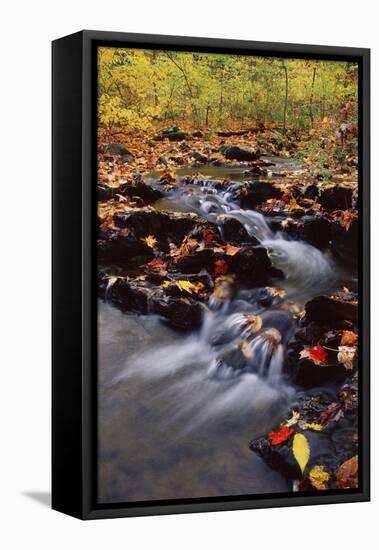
[231,366]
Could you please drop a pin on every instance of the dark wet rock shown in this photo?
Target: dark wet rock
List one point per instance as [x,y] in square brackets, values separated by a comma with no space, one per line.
[105,193]
[123,250]
[205,259]
[336,198]
[232,231]
[173,133]
[257,192]
[199,157]
[252,266]
[197,134]
[279,457]
[141,189]
[324,318]
[163,226]
[125,295]
[344,242]
[182,314]
[316,231]
[239,152]
[311,191]
[330,447]
[136,189]
[118,149]
[163,160]
[305,373]
[327,312]
[179,313]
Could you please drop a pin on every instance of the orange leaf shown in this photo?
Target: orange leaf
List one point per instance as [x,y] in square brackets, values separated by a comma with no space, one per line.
[232,250]
[157,263]
[349,338]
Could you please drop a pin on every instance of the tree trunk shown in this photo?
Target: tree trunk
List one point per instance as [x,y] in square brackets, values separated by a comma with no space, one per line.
[311,98]
[286,96]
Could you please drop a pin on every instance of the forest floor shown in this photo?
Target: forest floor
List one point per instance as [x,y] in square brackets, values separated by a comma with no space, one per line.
[154,258]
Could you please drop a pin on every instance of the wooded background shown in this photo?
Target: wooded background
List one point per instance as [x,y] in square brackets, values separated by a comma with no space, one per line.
[145,88]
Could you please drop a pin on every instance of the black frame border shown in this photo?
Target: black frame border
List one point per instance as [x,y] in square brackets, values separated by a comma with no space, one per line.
[82,501]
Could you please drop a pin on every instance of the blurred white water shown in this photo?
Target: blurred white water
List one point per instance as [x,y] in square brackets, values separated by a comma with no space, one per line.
[225,371]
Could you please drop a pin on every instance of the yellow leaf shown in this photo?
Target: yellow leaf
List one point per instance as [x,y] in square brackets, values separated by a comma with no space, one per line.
[319,477]
[314,427]
[166,283]
[246,349]
[150,240]
[301,450]
[254,323]
[190,287]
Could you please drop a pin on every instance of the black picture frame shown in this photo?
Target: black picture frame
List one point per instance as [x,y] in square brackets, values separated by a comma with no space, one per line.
[74,405]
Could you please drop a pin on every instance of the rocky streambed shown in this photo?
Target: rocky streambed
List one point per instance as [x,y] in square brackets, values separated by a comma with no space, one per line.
[227,332]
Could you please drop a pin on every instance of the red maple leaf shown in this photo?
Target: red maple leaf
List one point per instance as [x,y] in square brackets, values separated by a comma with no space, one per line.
[318,353]
[282,435]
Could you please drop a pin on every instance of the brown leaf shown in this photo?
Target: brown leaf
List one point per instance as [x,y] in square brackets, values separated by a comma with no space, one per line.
[347,474]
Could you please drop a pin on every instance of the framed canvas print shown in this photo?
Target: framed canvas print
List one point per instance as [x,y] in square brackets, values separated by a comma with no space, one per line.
[210,274]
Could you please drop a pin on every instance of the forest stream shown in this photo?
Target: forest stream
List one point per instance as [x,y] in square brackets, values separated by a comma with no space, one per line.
[177,410]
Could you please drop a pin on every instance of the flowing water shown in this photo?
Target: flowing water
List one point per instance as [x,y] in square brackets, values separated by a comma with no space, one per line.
[176,413]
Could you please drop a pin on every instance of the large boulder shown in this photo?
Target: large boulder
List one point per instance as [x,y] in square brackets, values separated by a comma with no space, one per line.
[182,314]
[336,198]
[331,313]
[122,250]
[232,231]
[173,133]
[163,226]
[256,193]
[239,152]
[252,266]
[118,149]
[344,241]
[316,230]
[331,445]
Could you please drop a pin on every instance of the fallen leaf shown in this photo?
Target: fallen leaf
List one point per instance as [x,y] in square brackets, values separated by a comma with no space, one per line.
[150,240]
[293,420]
[253,323]
[301,450]
[157,263]
[347,474]
[281,436]
[167,177]
[231,250]
[330,413]
[313,426]
[209,235]
[349,338]
[346,356]
[189,287]
[317,354]
[221,267]
[319,477]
